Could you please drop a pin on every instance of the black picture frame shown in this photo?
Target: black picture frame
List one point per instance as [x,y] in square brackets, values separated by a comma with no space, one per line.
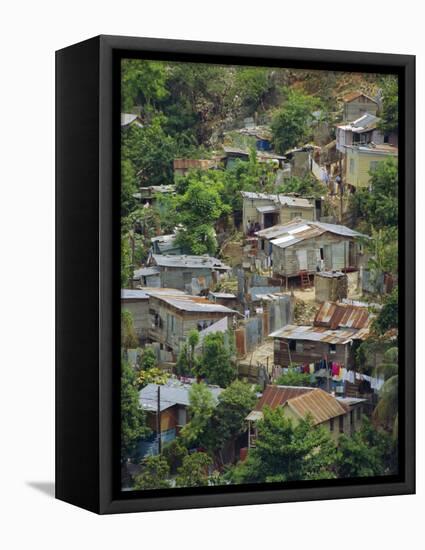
[87,273]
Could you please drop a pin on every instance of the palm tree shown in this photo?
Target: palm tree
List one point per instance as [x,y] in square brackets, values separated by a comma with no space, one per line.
[386,411]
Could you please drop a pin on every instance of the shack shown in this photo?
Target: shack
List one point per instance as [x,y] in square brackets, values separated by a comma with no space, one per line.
[166,408]
[330,286]
[148,194]
[337,330]
[173,314]
[309,247]
[192,273]
[263,210]
[335,415]
[137,303]
[356,104]
[165,244]
[362,131]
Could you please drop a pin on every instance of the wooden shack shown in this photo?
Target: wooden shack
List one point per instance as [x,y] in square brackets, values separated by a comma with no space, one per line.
[264,210]
[314,246]
[330,286]
[337,416]
[334,335]
[357,104]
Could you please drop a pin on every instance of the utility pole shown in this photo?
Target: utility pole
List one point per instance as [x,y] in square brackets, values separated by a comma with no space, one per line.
[158,418]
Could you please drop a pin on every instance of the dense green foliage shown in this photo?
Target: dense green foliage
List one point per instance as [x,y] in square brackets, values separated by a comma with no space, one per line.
[154,475]
[294,378]
[291,124]
[217,363]
[133,426]
[378,207]
[387,317]
[194,470]
[367,452]
[286,451]
[389,115]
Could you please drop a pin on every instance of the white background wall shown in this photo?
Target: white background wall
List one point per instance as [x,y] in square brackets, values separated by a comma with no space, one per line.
[30,31]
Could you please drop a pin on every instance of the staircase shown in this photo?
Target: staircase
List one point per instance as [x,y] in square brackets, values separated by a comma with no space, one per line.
[304,279]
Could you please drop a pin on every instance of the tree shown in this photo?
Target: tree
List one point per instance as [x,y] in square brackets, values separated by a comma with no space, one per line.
[133,427]
[148,359]
[126,261]
[378,207]
[252,85]
[201,406]
[389,115]
[228,419]
[384,249]
[129,338]
[154,475]
[194,470]
[294,378]
[199,208]
[285,451]
[187,362]
[386,410]
[128,187]
[290,125]
[174,452]
[216,362]
[142,83]
[387,317]
[151,152]
[368,452]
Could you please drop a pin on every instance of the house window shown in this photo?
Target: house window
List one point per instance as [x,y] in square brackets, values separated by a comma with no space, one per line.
[292,345]
[332,348]
[262,244]
[352,166]
[331,425]
[341,424]
[373,165]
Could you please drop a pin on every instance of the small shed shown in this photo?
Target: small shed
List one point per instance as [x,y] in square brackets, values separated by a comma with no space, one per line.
[330,286]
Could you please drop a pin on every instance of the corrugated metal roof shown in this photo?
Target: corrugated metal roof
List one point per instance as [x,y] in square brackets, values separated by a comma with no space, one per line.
[130,294]
[186,302]
[226,295]
[172,393]
[354,95]
[365,123]
[145,272]
[275,396]
[320,334]
[182,261]
[298,230]
[319,404]
[301,400]
[298,202]
[335,315]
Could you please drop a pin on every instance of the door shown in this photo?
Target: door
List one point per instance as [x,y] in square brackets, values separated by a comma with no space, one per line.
[302,259]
